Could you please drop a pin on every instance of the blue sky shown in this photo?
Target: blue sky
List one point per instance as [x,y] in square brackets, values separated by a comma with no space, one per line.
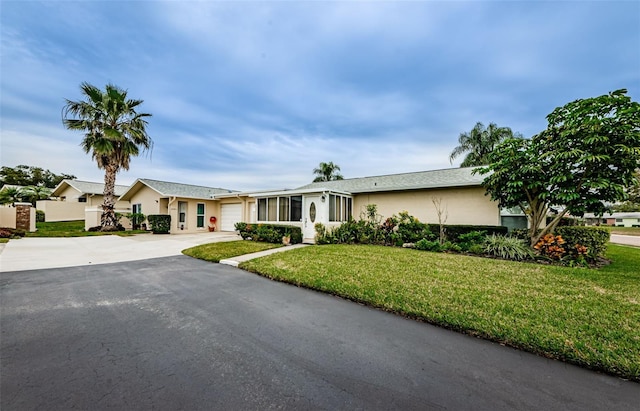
[253,95]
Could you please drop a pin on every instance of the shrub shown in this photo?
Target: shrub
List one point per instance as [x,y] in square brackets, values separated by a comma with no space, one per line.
[428,245]
[468,240]
[160,223]
[410,229]
[449,246]
[269,233]
[454,231]
[506,247]
[40,216]
[594,238]
[476,249]
[551,246]
[6,232]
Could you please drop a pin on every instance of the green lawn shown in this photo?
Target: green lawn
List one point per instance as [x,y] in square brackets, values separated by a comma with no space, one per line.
[71,229]
[215,252]
[584,316]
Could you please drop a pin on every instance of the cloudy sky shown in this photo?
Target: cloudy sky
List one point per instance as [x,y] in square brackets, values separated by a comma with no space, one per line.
[253,95]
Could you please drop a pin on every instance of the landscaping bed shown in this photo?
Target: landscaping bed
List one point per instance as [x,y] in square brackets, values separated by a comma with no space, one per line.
[73,229]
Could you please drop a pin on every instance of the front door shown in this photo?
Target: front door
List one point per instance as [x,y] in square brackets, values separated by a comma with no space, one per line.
[311,216]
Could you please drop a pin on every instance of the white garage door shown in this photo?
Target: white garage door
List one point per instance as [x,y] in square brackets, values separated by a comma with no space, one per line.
[230,214]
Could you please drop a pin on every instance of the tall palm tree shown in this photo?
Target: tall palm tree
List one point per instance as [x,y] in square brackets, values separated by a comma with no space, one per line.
[479,142]
[327,172]
[114,131]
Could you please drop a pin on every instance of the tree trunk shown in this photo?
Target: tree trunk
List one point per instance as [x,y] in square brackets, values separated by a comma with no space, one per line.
[108,220]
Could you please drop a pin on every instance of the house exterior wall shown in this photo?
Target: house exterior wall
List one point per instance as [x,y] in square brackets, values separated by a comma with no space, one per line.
[464,205]
[7,217]
[70,195]
[61,210]
[190,226]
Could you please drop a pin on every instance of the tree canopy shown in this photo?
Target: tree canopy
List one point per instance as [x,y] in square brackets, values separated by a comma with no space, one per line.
[327,172]
[479,143]
[114,132]
[584,161]
[23,175]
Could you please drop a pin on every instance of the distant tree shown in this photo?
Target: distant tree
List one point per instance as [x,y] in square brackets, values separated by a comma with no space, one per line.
[479,142]
[23,175]
[327,172]
[11,195]
[633,200]
[584,160]
[35,193]
[114,132]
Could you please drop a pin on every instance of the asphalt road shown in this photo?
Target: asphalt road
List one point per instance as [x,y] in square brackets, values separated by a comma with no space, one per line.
[176,333]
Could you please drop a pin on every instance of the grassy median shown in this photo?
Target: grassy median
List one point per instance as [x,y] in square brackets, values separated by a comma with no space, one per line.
[584,316]
[215,252]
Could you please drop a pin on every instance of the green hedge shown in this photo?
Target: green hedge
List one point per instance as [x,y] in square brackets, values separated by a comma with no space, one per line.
[454,231]
[160,223]
[269,233]
[39,216]
[594,238]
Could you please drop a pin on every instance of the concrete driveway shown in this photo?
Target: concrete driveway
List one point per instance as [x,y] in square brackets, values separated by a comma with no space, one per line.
[36,253]
[178,333]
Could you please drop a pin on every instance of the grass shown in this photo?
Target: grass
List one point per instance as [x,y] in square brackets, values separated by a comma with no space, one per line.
[626,230]
[586,317]
[72,229]
[215,252]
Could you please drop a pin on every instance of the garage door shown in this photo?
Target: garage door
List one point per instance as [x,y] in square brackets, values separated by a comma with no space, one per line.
[230,214]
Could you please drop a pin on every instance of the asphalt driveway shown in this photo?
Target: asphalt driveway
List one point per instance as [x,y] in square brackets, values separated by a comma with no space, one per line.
[177,333]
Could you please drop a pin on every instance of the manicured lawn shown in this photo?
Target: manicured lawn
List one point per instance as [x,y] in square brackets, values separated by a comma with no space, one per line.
[587,317]
[626,230]
[215,252]
[72,229]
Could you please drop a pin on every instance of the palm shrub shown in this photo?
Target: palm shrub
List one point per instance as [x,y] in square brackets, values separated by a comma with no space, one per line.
[506,247]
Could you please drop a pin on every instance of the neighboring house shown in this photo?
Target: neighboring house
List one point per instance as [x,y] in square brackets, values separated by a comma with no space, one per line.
[192,208]
[74,196]
[460,193]
[615,219]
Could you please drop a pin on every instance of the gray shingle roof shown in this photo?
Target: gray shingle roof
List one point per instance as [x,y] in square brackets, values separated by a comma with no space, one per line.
[89,187]
[451,177]
[168,189]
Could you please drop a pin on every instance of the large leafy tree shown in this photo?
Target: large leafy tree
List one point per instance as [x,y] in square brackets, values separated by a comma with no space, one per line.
[582,162]
[327,172]
[633,199]
[114,132]
[479,142]
[23,175]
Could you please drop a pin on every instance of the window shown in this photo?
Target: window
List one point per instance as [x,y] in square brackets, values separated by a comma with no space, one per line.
[200,215]
[82,199]
[283,209]
[618,220]
[339,208]
[136,208]
[262,209]
[280,208]
[272,209]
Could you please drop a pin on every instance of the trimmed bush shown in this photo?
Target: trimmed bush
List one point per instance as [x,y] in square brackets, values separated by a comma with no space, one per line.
[6,232]
[594,238]
[454,231]
[39,216]
[269,233]
[160,223]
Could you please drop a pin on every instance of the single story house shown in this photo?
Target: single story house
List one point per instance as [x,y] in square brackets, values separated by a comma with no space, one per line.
[73,196]
[615,219]
[456,193]
[192,208]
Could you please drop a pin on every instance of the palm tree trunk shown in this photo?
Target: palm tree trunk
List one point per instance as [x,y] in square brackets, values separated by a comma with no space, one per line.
[108,220]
